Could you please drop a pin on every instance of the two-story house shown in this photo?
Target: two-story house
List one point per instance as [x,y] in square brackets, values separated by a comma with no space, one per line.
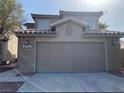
[68,42]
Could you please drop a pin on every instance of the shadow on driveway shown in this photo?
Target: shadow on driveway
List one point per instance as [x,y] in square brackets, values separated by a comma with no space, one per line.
[4,68]
[10,86]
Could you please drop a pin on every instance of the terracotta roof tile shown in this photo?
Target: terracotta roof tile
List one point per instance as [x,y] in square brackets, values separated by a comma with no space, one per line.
[103,32]
[99,13]
[44,15]
[48,31]
[36,31]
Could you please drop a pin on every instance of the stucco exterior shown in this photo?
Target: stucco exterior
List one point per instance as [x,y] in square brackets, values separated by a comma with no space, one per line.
[12,48]
[28,55]
[9,49]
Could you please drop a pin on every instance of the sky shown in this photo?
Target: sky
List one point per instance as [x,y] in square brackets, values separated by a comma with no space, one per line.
[113,9]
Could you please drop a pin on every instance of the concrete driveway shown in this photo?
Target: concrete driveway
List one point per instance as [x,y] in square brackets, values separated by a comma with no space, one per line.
[73,82]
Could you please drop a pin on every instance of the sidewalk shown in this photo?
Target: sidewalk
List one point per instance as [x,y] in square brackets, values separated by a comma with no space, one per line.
[10,76]
[10,82]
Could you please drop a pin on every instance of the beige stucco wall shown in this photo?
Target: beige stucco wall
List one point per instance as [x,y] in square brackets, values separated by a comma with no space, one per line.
[77,35]
[122,44]
[9,49]
[113,55]
[27,57]
[12,48]
[122,52]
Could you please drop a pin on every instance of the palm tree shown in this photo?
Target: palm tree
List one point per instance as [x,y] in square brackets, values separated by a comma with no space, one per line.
[102,25]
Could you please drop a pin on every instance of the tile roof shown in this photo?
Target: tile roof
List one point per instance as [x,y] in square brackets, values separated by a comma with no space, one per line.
[99,13]
[102,32]
[61,12]
[36,31]
[89,32]
[44,15]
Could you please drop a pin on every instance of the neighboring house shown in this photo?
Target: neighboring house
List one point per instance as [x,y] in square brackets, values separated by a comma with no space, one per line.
[122,44]
[122,51]
[69,42]
[29,25]
[8,50]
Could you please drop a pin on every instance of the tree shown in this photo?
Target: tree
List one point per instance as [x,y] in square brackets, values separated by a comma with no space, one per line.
[102,25]
[11,15]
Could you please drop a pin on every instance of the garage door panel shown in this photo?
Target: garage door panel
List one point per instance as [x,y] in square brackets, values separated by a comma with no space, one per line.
[53,64]
[86,64]
[70,57]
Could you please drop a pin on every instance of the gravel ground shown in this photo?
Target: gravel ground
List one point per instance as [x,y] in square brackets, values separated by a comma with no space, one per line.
[4,68]
[7,74]
[10,86]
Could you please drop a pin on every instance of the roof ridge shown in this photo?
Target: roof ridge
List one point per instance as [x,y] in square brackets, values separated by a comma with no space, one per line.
[80,11]
[99,31]
[35,31]
[99,13]
[75,20]
[38,14]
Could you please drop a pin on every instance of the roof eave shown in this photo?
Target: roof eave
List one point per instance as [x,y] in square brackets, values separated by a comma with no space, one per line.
[29,24]
[34,35]
[44,16]
[99,13]
[104,35]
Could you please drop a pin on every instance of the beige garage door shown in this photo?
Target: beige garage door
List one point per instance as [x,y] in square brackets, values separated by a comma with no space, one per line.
[70,57]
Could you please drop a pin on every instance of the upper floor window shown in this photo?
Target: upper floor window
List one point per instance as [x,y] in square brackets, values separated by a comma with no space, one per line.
[53,28]
[43,24]
[85,28]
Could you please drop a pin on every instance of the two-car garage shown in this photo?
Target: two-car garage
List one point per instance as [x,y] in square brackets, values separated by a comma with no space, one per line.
[68,43]
[70,57]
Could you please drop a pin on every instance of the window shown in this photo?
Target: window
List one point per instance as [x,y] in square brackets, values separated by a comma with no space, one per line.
[69,30]
[85,28]
[43,24]
[53,28]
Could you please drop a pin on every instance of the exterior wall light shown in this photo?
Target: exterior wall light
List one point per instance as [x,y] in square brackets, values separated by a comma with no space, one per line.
[114,42]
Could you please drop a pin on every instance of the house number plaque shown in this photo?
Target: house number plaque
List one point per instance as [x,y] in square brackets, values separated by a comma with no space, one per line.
[27,44]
